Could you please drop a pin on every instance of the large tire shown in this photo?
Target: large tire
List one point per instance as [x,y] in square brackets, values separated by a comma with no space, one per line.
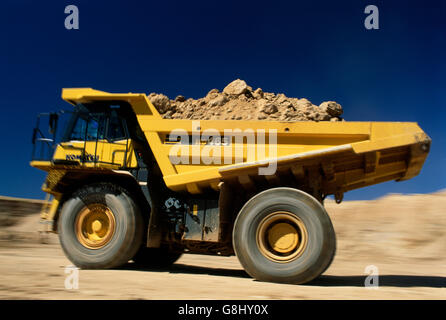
[108,244]
[284,235]
[156,257]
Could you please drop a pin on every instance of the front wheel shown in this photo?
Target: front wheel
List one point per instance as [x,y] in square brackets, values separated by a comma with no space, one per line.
[284,235]
[100,226]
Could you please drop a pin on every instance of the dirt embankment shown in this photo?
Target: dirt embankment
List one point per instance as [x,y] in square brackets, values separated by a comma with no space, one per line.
[18,218]
[238,101]
[403,236]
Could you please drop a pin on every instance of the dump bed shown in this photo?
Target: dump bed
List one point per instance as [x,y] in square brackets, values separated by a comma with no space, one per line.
[196,155]
[349,154]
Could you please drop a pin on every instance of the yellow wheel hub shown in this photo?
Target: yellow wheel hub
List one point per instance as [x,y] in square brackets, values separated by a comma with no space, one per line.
[95,226]
[282,237]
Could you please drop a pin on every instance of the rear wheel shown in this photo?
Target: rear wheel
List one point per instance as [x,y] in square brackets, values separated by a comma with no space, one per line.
[284,235]
[100,226]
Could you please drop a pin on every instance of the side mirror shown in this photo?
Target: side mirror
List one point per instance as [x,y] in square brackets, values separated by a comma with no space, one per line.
[53,122]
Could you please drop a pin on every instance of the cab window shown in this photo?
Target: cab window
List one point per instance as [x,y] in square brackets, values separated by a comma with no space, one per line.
[115,128]
[94,130]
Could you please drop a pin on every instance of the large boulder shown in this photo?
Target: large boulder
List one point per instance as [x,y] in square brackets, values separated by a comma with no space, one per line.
[332,108]
[236,88]
[160,101]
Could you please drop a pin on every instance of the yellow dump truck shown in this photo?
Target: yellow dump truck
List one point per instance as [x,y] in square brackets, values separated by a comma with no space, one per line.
[127,184]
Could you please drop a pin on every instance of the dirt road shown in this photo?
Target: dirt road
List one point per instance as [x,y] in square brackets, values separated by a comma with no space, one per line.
[402,236]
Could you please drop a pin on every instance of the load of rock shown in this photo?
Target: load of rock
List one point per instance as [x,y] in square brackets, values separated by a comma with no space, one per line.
[238,101]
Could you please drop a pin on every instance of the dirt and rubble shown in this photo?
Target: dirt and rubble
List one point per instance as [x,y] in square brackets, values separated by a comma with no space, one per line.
[403,236]
[239,101]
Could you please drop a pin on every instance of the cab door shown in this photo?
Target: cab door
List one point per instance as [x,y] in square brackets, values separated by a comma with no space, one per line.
[118,150]
[86,141]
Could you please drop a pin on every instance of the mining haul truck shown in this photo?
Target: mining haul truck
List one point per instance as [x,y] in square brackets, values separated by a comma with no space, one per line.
[127,185]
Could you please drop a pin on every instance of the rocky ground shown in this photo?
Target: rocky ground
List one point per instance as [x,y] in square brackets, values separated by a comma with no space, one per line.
[238,101]
[402,236]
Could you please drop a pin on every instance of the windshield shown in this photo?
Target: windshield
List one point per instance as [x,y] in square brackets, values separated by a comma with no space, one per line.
[91,126]
[88,128]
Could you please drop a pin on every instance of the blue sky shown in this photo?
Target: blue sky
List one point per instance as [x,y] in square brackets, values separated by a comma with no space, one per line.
[319,50]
